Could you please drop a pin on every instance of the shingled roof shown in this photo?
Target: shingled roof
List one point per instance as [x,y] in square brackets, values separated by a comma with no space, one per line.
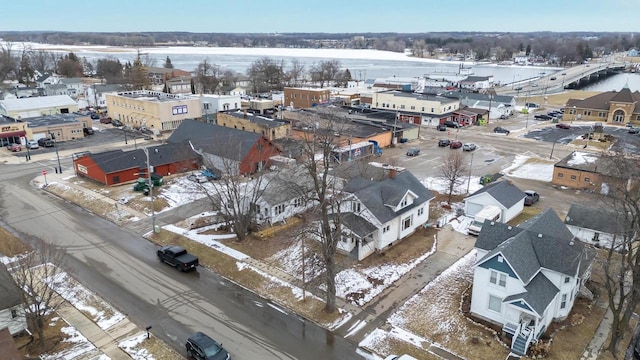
[118,160]
[603,100]
[9,292]
[598,219]
[543,242]
[504,192]
[380,197]
[217,140]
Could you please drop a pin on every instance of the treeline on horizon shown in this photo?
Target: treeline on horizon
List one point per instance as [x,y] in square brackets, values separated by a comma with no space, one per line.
[569,46]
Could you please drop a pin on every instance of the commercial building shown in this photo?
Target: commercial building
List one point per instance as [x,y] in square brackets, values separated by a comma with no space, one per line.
[62,127]
[37,106]
[269,128]
[153,110]
[611,107]
[432,108]
[301,98]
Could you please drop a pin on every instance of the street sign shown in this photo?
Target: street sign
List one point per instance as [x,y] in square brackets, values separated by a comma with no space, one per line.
[44,172]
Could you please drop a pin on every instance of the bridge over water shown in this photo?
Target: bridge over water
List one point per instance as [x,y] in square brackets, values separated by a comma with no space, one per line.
[569,78]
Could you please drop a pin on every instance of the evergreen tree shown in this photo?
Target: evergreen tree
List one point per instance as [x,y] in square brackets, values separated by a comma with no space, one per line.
[168,64]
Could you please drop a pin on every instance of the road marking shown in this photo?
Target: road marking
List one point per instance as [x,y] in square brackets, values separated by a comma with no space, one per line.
[428,161]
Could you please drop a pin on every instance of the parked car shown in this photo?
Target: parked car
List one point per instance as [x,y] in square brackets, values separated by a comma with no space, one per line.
[501,130]
[634,130]
[32,144]
[468,147]
[563,126]
[553,78]
[503,117]
[413,152]
[444,142]
[543,117]
[532,197]
[531,105]
[455,145]
[46,142]
[442,127]
[87,131]
[105,120]
[177,257]
[14,147]
[451,124]
[95,116]
[201,347]
[116,123]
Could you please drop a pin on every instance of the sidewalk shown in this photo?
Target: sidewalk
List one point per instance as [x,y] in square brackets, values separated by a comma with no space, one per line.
[105,340]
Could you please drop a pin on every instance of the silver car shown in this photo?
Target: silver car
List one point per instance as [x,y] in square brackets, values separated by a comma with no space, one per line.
[468,147]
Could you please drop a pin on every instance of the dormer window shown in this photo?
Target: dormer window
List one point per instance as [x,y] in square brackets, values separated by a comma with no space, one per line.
[403,203]
[355,206]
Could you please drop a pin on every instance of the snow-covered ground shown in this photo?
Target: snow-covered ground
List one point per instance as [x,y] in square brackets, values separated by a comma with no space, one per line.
[532,168]
[131,347]
[82,348]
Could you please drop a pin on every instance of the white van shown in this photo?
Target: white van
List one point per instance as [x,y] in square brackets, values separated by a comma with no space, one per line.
[488,213]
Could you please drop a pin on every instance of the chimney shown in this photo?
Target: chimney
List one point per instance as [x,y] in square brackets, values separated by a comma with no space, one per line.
[392,173]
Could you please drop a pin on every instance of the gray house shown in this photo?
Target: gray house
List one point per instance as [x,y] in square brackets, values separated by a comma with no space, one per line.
[502,194]
[12,313]
[525,277]
[597,226]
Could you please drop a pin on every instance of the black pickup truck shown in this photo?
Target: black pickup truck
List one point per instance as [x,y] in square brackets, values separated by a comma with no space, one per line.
[178,257]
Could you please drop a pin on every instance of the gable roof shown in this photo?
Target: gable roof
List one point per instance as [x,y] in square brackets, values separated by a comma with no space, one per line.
[544,242]
[71,81]
[218,140]
[539,294]
[379,196]
[595,219]
[602,101]
[9,292]
[118,160]
[504,192]
[286,185]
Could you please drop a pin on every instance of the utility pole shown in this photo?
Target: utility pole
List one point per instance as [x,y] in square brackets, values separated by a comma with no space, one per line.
[304,293]
[153,213]
[470,169]
[55,143]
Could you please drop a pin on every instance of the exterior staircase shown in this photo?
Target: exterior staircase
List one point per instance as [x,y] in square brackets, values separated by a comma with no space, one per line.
[521,341]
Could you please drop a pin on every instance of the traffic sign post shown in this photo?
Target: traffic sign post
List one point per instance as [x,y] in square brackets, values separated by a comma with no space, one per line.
[44,173]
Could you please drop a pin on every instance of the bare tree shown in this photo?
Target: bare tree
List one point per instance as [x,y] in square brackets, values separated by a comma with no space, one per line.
[266,74]
[8,62]
[295,73]
[453,170]
[34,274]
[325,71]
[318,150]
[235,194]
[208,76]
[622,264]
[41,60]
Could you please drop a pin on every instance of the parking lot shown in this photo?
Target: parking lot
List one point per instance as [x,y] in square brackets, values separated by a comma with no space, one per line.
[623,140]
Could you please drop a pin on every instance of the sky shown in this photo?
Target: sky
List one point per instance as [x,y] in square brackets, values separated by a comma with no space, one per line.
[328,16]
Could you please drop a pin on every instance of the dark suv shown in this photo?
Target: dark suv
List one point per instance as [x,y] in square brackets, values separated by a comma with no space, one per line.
[444,142]
[451,124]
[44,142]
[202,347]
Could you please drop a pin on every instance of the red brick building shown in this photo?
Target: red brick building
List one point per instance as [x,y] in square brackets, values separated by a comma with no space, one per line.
[117,166]
[226,150]
[301,98]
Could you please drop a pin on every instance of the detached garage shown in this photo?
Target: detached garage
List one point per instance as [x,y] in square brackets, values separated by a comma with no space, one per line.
[502,194]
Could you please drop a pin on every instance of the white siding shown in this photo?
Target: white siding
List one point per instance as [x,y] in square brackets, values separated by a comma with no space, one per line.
[16,324]
[512,212]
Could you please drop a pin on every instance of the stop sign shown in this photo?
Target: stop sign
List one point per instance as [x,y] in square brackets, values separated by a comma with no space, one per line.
[44,172]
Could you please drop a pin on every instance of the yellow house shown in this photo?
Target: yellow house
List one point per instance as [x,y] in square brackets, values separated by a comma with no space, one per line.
[413,102]
[152,109]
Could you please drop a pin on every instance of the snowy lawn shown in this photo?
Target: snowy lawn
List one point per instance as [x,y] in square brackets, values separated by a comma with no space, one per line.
[73,344]
[141,348]
[533,168]
[433,318]
[96,309]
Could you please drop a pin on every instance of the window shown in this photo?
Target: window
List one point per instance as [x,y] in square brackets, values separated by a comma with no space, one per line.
[406,223]
[278,209]
[385,229]
[573,177]
[602,114]
[402,107]
[563,302]
[586,179]
[560,175]
[587,113]
[423,109]
[567,279]
[420,211]
[497,278]
[403,203]
[413,107]
[355,206]
[14,313]
[596,236]
[495,304]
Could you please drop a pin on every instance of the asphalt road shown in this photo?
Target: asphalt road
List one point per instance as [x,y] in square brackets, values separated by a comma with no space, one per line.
[121,267]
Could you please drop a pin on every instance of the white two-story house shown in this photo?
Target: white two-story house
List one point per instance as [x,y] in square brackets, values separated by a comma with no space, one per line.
[12,314]
[375,215]
[525,277]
